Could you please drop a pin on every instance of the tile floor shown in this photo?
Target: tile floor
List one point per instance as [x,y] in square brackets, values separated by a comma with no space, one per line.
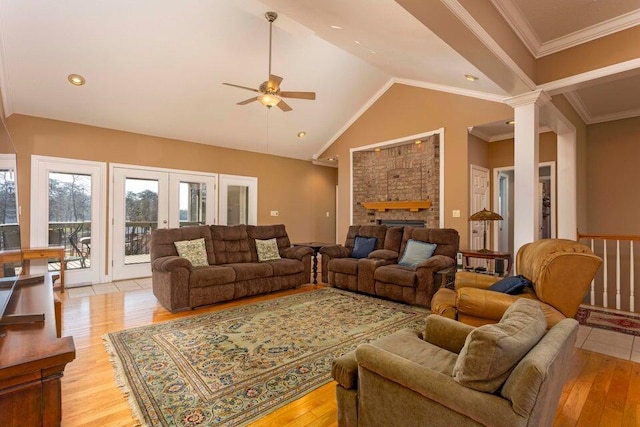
[611,343]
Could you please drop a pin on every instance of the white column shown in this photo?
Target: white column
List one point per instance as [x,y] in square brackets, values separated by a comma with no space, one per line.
[567,184]
[526,141]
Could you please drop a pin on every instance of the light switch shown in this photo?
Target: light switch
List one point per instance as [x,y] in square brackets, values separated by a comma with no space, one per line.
[456,213]
[275,213]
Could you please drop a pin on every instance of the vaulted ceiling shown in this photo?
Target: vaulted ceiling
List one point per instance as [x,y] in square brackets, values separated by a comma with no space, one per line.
[156,67]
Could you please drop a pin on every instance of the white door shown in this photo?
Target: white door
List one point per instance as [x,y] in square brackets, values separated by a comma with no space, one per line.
[68,209]
[479,201]
[147,199]
[238,200]
[141,200]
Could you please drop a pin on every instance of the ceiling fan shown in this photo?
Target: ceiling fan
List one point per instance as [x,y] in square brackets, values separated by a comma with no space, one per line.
[270,93]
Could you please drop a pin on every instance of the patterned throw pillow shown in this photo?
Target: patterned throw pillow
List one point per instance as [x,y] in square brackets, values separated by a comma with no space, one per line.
[267,250]
[194,251]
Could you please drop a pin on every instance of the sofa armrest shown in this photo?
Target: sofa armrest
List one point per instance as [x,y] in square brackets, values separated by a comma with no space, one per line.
[385,254]
[484,408]
[437,263]
[169,263]
[344,370]
[335,251]
[446,333]
[469,279]
[482,303]
[297,252]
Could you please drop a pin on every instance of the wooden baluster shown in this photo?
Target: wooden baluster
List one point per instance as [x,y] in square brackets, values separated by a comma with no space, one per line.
[593,281]
[632,280]
[605,296]
[617,274]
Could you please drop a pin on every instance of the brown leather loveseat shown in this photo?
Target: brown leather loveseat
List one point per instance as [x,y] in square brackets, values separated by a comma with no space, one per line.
[232,269]
[379,273]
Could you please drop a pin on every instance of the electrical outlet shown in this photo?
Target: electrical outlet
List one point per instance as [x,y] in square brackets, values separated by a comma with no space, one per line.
[327,214]
[275,213]
[456,213]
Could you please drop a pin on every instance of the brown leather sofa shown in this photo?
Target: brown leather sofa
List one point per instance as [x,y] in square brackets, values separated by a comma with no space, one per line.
[379,273]
[233,271]
[560,271]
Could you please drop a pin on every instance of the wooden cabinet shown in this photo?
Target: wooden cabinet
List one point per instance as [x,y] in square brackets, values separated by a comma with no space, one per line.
[32,361]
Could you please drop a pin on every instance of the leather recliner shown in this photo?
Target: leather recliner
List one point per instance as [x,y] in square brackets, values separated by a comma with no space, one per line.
[560,271]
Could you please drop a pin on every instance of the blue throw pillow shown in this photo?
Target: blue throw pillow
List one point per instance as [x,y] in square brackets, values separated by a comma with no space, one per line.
[363,246]
[416,252]
[513,285]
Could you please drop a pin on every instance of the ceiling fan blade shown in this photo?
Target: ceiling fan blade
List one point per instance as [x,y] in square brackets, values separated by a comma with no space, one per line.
[299,95]
[242,87]
[284,106]
[274,82]
[247,101]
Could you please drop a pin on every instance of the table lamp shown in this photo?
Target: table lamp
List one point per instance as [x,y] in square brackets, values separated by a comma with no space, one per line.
[485,216]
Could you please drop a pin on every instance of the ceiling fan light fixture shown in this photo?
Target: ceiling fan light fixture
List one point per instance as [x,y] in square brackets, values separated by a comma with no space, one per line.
[269,100]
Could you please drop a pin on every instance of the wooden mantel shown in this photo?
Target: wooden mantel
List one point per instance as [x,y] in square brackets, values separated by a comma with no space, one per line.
[411,205]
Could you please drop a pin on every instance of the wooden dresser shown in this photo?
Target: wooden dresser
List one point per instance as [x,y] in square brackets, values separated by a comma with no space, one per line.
[32,361]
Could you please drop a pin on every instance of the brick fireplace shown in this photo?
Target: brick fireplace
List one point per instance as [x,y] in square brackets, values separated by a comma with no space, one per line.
[402,173]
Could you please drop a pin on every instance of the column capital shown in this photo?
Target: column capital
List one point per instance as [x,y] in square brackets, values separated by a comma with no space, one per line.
[538,97]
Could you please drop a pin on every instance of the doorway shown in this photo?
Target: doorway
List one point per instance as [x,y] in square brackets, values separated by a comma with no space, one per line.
[504,197]
[68,209]
[144,199]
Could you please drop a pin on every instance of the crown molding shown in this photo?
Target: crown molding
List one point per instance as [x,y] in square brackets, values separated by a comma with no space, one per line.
[577,104]
[519,24]
[523,29]
[593,32]
[327,163]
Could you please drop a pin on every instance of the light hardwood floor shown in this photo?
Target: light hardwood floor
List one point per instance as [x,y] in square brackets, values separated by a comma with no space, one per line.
[600,391]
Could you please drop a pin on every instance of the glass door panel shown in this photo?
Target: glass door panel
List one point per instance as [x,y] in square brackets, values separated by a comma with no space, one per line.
[238,200]
[70,218]
[139,207]
[192,200]
[9,228]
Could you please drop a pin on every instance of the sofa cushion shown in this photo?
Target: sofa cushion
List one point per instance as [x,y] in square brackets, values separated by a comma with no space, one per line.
[363,246]
[491,352]
[285,266]
[231,244]
[267,250]
[211,275]
[397,274]
[415,252]
[194,251]
[512,285]
[265,232]
[251,270]
[344,266]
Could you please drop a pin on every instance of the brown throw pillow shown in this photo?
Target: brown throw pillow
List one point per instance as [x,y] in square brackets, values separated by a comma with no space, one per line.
[491,352]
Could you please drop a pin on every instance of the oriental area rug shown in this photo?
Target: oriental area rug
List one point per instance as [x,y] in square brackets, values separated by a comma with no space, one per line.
[614,321]
[231,367]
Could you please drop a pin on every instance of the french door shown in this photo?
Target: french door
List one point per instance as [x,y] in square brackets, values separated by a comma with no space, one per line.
[147,199]
[68,209]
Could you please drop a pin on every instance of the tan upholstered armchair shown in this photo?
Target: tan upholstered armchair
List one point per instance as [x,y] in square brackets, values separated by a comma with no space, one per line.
[560,271]
[508,374]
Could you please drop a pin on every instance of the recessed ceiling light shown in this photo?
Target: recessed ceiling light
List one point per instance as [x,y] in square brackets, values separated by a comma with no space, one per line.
[336,27]
[331,159]
[76,79]
[302,134]
[510,122]
[471,78]
[356,42]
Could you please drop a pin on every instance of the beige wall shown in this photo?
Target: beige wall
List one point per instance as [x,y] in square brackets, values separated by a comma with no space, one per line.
[612,179]
[299,190]
[403,111]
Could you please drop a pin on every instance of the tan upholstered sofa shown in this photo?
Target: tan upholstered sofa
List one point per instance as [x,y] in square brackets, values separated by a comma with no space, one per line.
[505,375]
[560,270]
[233,269]
[379,273]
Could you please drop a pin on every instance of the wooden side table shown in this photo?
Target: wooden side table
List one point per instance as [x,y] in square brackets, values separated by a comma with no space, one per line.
[316,248]
[487,254]
[45,253]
